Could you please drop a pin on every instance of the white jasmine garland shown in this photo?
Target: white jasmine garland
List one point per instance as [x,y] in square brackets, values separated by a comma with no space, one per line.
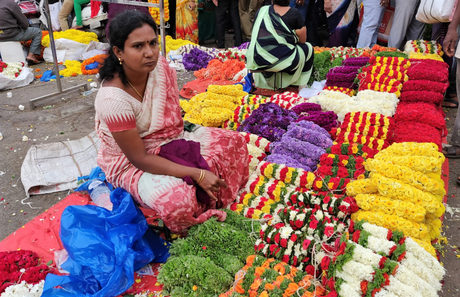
[270,235]
[422,255]
[419,268]
[24,290]
[411,279]
[376,231]
[349,291]
[360,271]
[379,245]
[289,247]
[365,256]
[401,290]
[264,227]
[385,293]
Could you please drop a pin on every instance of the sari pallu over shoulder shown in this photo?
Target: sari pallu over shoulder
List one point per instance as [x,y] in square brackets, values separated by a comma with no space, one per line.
[274,48]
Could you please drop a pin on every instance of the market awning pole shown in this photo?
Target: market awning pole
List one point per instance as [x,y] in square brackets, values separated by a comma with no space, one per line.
[53,46]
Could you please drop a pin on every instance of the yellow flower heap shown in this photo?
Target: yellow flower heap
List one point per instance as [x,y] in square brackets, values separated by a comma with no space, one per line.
[213,108]
[404,191]
[73,68]
[75,35]
[173,44]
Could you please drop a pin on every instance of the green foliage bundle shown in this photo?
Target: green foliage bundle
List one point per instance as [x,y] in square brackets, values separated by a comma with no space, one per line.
[222,248]
[321,65]
[392,54]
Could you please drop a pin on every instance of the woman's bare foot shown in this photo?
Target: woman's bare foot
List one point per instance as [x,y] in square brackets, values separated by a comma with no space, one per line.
[77,27]
[450,101]
[31,59]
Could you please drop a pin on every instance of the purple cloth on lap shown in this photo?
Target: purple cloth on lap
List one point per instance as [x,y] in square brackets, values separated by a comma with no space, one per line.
[187,153]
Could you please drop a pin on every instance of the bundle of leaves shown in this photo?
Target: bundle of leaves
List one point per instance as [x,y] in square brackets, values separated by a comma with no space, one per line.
[391,54]
[193,276]
[222,247]
[321,65]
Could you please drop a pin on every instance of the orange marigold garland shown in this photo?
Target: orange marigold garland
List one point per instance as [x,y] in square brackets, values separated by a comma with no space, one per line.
[89,66]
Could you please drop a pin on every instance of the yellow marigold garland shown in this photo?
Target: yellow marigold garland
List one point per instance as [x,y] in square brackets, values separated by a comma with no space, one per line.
[155,12]
[174,44]
[413,55]
[417,163]
[75,35]
[73,68]
[411,149]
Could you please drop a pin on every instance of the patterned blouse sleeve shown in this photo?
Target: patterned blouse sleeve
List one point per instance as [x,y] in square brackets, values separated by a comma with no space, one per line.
[116,112]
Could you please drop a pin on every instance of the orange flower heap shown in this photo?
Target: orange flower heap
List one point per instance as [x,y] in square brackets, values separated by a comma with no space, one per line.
[218,70]
[98,58]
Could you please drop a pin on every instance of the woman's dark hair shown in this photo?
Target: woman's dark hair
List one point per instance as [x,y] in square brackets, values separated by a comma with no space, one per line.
[119,29]
[281,2]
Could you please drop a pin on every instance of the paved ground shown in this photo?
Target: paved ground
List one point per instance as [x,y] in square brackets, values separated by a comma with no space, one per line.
[72,117]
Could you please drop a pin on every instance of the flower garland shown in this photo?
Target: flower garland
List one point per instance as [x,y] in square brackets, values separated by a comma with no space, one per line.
[155,11]
[412,149]
[257,141]
[73,68]
[11,70]
[425,85]
[347,91]
[262,277]
[92,65]
[196,59]
[214,107]
[24,290]
[75,35]
[248,104]
[421,70]
[373,143]
[232,53]
[331,184]
[313,136]
[185,49]
[294,176]
[365,129]
[21,265]
[423,47]
[256,155]
[420,112]
[325,119]
[391,54]
[174,44]
[306,153]
[404,132]
[217,70]
[341,172]
[422,96]
[353,149]
[357,61]
[290,161]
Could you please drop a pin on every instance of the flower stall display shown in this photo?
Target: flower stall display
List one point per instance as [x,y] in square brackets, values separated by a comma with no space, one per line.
[92,65]
[11,70]
[321,65]
[217,70]
[174,44]
[232,53]
[73,68]
[203,264]
[243,111]
[354,149]
[265,277]
[374,261]
[269,121]
[384,74]
[342,77]
[72,34]
[21,269]
[366,101]
[312,112]
[155,11]
[187,48]
[421,56]
[405,191]
[196,59]
[423,47]
[347,91]
[214,107]
[258,147]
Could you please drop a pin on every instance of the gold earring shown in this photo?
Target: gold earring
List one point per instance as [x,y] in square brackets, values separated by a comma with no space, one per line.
[121,62]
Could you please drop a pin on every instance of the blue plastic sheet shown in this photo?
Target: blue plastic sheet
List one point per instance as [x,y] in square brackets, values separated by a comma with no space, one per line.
[105,248]
[46,76]
[92,66]
[248,84]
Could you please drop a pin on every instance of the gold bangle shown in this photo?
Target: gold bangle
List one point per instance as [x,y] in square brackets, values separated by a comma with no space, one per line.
[202,174]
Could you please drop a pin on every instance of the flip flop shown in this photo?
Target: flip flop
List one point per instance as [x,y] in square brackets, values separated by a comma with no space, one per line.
[450,100]
[32,62]
[451,152]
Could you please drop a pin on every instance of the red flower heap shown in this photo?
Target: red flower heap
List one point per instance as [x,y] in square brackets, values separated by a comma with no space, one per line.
[384,74]
[22,265]
[421,97]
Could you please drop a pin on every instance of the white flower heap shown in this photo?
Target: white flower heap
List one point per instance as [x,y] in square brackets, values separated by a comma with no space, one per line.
[258,147]
[367,100]
[404,191]
[11,70]
[303,235]
[214,107]
[24,290]
[374,261]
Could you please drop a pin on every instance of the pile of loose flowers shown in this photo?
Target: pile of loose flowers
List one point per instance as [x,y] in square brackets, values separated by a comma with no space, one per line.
[11,70]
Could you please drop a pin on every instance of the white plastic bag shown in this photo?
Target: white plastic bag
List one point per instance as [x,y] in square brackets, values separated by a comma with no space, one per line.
[95,48]
[25,77]
[66,49]
[314,90]
[54,11]
[435,11]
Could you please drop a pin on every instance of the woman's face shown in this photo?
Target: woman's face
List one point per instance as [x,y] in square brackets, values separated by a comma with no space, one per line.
[141,51]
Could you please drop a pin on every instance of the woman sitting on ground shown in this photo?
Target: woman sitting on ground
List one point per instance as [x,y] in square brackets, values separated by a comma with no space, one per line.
[278,45]
[184,176]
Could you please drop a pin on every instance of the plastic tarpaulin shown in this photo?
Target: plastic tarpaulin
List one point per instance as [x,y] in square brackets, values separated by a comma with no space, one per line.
[105,248]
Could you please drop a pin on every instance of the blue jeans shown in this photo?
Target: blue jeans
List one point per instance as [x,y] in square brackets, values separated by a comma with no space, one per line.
[31,33]
[303,9]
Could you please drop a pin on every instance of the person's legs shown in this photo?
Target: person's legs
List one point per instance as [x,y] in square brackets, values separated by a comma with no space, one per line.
[77,6]
[455,140]
[373,14]
[235,17]
[312,24]
[246,25]
[66,9]
[404,13]
[221,8]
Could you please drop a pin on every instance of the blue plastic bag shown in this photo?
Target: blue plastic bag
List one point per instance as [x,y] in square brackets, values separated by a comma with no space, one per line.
[95,173]
[47,76]
[105,248]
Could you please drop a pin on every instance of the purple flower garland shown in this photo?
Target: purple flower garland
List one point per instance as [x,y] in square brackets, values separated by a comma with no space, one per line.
[359,61]
[341,77]
[196,60]
[303,148]
[325,119]
[288,161]
[309,125]
[345,69]
[308,135]
[306,107]
[244,45]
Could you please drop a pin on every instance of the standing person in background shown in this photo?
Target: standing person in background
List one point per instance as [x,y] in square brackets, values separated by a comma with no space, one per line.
[342,21]
[77,7]
[206,17]
[315,13]
[187,20]
[63,14]
[301,6]
[373,15]
[221,7]
[450,42]
[248,9]
[405,26]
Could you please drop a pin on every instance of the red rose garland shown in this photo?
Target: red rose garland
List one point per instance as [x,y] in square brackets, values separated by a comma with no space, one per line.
[425,85]
[420,112]
[438,65]
[422,96]
[374,119]
[353,149]
[422,72]
[417,132]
